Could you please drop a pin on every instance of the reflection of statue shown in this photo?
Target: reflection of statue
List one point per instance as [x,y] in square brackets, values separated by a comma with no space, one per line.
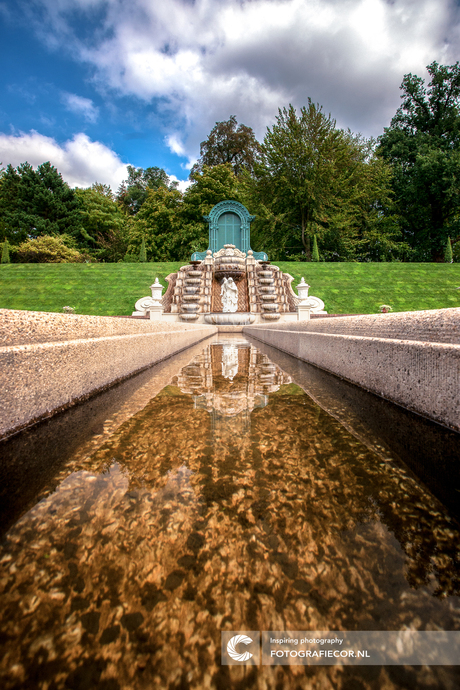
[229,361]
[229,294]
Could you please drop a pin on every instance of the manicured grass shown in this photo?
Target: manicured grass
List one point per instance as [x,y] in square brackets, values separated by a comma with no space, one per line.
[101,289]
[360,288]
[345,288]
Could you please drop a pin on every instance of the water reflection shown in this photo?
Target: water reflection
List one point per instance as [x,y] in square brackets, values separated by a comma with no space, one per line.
[231,501]
[230,379]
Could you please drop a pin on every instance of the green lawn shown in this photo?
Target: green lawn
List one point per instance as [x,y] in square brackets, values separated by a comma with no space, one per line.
[360,288]
[345,288]
[102,289]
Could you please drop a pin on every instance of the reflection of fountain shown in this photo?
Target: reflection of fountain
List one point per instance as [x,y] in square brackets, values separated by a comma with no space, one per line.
[229,380]
[161,531]
[229,362]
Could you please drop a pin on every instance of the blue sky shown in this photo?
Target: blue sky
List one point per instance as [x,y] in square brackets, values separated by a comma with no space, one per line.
[93,85]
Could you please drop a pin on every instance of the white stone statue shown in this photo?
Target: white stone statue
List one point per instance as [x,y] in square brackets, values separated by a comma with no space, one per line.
[229,294]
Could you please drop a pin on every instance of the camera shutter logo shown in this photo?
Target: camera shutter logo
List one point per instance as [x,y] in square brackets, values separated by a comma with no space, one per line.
[232,651]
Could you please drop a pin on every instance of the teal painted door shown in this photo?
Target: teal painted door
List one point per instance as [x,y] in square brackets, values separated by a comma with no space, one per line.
[229,230]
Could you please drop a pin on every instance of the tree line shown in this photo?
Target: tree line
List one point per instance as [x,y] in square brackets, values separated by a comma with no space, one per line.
[318,192]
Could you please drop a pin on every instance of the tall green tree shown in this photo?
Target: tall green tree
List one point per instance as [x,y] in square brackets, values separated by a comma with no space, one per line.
[5,252]
[38,202]
[104,190]
[172,223]
[423,146]
[142,252]
[317,180]
[103,222]
[315,252]
[133,191]
[210,185]
[157,225]
[228,142]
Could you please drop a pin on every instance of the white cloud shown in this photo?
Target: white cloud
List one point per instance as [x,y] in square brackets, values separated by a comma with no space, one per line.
[80,106]
[80,160]
[205,60]
[182,184]
[174,143]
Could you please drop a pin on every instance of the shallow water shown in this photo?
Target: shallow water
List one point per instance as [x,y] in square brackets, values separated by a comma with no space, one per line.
[229,501]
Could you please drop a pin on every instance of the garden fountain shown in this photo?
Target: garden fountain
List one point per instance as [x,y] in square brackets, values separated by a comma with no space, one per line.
[264,292]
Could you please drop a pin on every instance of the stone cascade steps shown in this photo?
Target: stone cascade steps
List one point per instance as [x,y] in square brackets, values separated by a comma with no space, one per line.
[191,296]
[267,295]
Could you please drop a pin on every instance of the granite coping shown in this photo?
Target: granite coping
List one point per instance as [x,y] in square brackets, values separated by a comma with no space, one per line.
[414,369]
[49,362]
[25,327]
[433,325]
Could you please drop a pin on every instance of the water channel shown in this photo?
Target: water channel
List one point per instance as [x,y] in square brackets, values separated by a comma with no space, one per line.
[230,488]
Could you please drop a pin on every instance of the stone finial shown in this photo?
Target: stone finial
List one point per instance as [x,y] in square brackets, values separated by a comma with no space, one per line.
[156,289]
[302,289]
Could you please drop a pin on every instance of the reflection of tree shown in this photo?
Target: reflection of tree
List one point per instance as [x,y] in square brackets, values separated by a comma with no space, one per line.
[133,566]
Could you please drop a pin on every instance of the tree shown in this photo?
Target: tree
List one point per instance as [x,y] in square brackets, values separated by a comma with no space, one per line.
[448,255]
[142,253]
[133,192]
[37,202]
[5,252]
[315,252]
[423,146]
[103,223]
[103,190]
[157,225]
[172,224]
[230,143]
[316,180]
[210,185]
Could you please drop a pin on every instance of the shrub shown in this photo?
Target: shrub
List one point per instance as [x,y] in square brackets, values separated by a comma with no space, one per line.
[315,252]
[47,250]
[5,252]
[448,256]
[385,308]
[143,252]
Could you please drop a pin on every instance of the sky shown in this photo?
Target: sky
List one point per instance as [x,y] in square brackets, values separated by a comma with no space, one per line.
[94,85]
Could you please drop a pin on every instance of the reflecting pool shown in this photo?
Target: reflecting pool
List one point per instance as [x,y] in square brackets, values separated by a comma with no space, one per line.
[231,500]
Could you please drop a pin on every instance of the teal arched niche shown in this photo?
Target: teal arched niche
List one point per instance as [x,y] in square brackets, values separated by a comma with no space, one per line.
[229,223]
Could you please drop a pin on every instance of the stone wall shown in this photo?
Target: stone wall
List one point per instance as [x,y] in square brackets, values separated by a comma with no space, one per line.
[410,358]
[50,361]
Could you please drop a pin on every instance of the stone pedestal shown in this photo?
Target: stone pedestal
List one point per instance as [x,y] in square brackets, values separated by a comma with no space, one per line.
[303,312]
[156,312]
